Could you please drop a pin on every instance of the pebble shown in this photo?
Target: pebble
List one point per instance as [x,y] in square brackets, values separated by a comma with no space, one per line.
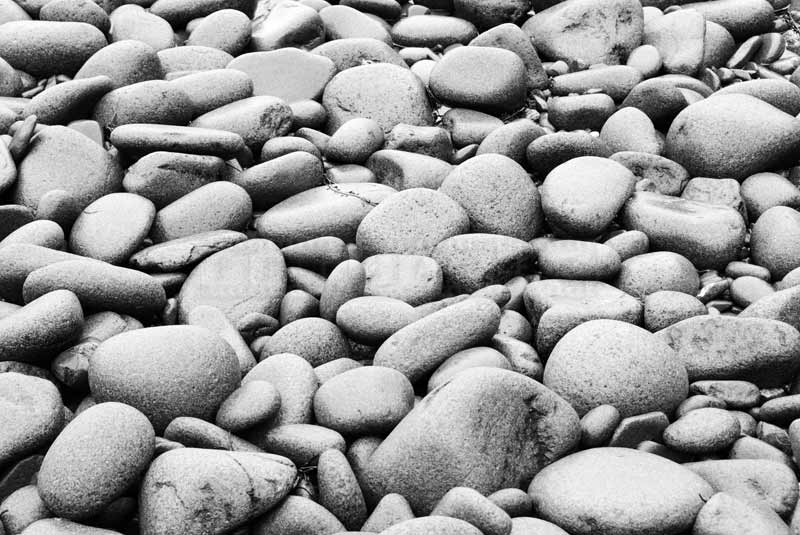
[703,430]
[315,339]
[43,232]
[355,141]
[641,428]
[648,273]
[432,31]
[296,383]
[178,254]
[289,74]
[763,191]
[339,492]
[214,88]
[735,394]
[663,308]
[403,170]
[278,179]
[253,403]
[125,62]
[138,139]
[725,513]
[510,37]
[468,358]
[629,244]
[132,22]
[772,248]
[373,319]
[288,25]
[467,127]
[233,39]
[301,443]
[355,51]
[578,260]
[64,102]
[598,425]
[391,509]
[297,515]
[469,505]
[153,101]
[413,279]
[645,492]
[22,508]
[615,81]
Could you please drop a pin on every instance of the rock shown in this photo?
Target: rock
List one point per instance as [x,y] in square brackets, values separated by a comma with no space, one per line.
[132,22]
[296,516]
[61,158]
[645,274]
[432,31]
[445,332]
[256,119]
[580,111]
[472,261]
[37,332]
[344,22]
[215,321]
[598,425]
[112,227]
[578,260]
[153,101]
[441,525]
[253,403]
[724,513]
[362,92]
[44,48]
[233,39]
[354,141]
[33,414]
[616,81]
[198,490]
[556,306]
[773,239]
[708,235]
[289,24]
[510,37]
[630,129]
[703,430]
[228,280]
[22,508]
[339,492]
[412,221]
[511,140]
[581,197]
[402,170]
[781,94]
[515,502]
[345,282]
[95,459]
[212,89]
[531,428]
[661,174]
[176,255]
[460,78]
[758,350]
[147,369]
[413,279]
[587,32]
[765,137]
[679,37]
[647,374]
[42,232]
[471,506]
[468,358]
[61,526]
[64,102]
[364,401]
[497,194]
[315,339]
[763,191]
[667,307]
[124,62]
[296,383]
[278,179]
[781,305]
[547,152]
[332,210]
[391,509]
[655,494]
[355,51]
[302,443]
[742,19]
[139,139]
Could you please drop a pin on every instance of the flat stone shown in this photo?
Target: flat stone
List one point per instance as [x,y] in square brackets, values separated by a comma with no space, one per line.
[315,339]
[578,260]
[44,48]
[345,22]
[772,241]
[124,62]
[289,73]
[233,40]
[153,101]
[616,81]
[763,191]
[679,37]
[703,430]
[140,138]
[256,119]
[297,515]
[413,279]
[741,18]
[132,22]
[403,169]
[214,88]
[67,101]
[547,152]
[181,253]
[433,30]
[355,51]
[726,513]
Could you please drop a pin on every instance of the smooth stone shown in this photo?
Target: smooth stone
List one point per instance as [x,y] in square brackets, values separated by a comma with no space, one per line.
[515,325]
[663,308]
[298,516]
[196,433]
[412,221]
[180,12]
[345,282]
[646,59]
[638,357]
[634,430]
[547,152]
[598,425]
[679,37]
[719,191]
[41,232]
[761,351]
[734,394]
[288,24]
[125,62]
[467,126]
[661,174]
[725,513]
[132,22]
[467,358]
[447,331]
[227,280]
[707,235]
[741,18]
[693,139]
[339,491]
[257,119]
[781,305]
[192,490]
[141,138]
[343,22]
[214,88]
[355,51]
[321,211]
[556,306]
[511,140]
[99,286]
[283,145]
[763,191]
[175,255]
[413,279]
[630,129]
[579,112]
[369,400]
[146,369]
[578,260]
[329,370]
[319,254]
[615,81]
[153,101]
[95,459]
[301,443]
[289,74]
[190,215]
[702,430]
[543,429]
[253,403]
[233,40]
[779,93]
[362,92]
[645,274]
[748,290]
[460,78]
[432,30]
[66,101]
[391,509]
[112,227]
[32,416]
[510,37]
[20,260]
[401,169]
[440,525]
[581,197]
[515,502]
[354,141]
[61,158]
[587,32]
[524,525]
[314,339]
[62,526]
[667,497]
[471,506]
[44,48]
[497,194]
[22,508]
[772,241]
[294,379]
[278,179]
[215,321]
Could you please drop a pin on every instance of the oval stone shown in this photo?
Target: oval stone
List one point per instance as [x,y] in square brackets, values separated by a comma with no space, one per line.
[44,48]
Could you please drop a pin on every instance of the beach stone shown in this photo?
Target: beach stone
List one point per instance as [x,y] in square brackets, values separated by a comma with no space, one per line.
[288,74]
[22,508]
[763,191]
[369,400]
[43,48]
[741,19]
[40,232]
[679,38]
[253,403]
[193,58]
[661,174]
[301,443]
[578,260]
[577,112]
[288,24]
[345,282]
[362,92]
[99,286]
[468,358]
[780,305]
[447,331]
[296,383]
[402,170]
[412,221]
[83,169]
[630,129]
[432,30]
[278,179]
[708,235]
[95,459]
[515,502]
[323,211]
[663,308]
[460,78]
[413,279]
[256,119]
[510,37]
[588,32]
[20,260]
[757,481]
[391,509]
[646,59]
[339,492]
[283,145]
[146,369]
[215,321]
[638,357]
[556,306]
[497,194]
[693,139]
[547,152]
[702,430]
[747,290]
[175,255]
[296,516]
[139,139]
[200,490]
[523,525]
[153,101]
[64,102]
[511,140]
[471,506]
[315,339]
[343,22]
[214,88]
[32,416]
[112,227]
[645,274]
[468,127]
[355,51]
[196,433]
[616,81]
[772,241]
[543,429]
[164,177]
[636,430]
[179,12]
[227,280]
[598,425]
[62,526]
[319,254]
[133,22]
[779,93]
[354,141]
[125,62]
[734,394]
[233,40]
[720,347]
[190,215]
[440,525]
[472,261]
[724,513]
[667,497]
[719,191]
[581,197]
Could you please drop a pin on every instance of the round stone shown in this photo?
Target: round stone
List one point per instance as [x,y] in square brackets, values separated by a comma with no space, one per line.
[774,241]
[644,274]
[703,430]
[609,362]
